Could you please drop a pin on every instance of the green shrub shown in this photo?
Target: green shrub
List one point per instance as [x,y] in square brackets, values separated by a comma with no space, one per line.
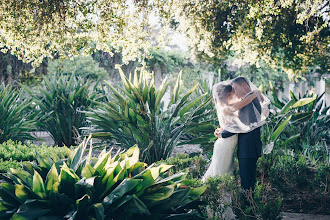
[5,165]
[15,122]
[136,115]
[302,182]
[224,191]
[82,66]
[203,134]
[195,165]
[27,152]
[314,131]
[300,120]
[61,100]
[85,187]
[286,115]
[265,204]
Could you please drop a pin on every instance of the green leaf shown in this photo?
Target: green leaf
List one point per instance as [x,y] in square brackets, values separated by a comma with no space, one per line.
[31,209]
[78,155]
[164,167]
[39,186]
[99,211]
[88,171]
[301,117]
[287,106]
[277,102]
[52,178]
[195,193]
[191,104]
[140,206]
[157,194]
[124,187]
[280,128]
[99,166]
[183,100]
[303,102]
[67,180]
[290,139]
[9,195]
[22,192]
[161,91]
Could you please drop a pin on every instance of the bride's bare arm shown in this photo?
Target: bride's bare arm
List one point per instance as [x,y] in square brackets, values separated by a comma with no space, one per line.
[244,102]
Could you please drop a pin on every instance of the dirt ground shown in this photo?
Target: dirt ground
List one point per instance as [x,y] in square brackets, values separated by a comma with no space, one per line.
[300,216]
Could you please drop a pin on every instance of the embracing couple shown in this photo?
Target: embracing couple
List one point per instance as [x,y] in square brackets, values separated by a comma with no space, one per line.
[242,110]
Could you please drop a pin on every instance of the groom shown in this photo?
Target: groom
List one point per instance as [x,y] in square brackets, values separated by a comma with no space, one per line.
[249,144]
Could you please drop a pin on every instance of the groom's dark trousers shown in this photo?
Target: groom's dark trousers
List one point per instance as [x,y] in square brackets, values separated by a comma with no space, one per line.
[248,152]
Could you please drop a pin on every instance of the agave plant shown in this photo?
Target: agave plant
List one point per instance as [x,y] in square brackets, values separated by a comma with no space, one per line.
[61,100]
[137,115]
[16,120]
[287,114]
[202,130]
[317,128]
[85,187]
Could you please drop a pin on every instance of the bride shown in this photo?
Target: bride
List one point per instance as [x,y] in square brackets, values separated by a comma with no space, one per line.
[235,110]
[227,105]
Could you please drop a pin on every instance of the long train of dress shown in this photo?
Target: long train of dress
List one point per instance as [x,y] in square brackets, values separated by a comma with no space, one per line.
[222,163]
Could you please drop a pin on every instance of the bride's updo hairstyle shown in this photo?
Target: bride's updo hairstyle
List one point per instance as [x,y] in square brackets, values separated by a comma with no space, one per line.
[223,92]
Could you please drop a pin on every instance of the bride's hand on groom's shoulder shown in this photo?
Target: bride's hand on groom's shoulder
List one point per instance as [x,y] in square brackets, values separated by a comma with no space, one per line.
[217,132]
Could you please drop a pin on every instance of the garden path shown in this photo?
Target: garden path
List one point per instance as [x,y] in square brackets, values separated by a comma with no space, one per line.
[300,216]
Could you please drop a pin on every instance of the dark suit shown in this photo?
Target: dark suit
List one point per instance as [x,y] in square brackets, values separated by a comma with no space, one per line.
[249,145]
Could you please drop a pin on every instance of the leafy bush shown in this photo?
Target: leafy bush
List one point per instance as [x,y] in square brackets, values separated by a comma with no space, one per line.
[315,130]
[5,165]
[195,165]
[61,100]
[15,122]
[202,130]
[106,187]
[82,66]
[302,182]
[136,115]
[27,152]
[167,61]
[286,115]
[224,191]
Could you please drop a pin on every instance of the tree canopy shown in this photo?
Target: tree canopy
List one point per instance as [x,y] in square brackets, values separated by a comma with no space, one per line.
[292,34]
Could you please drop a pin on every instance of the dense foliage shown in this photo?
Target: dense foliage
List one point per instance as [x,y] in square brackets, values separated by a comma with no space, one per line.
[302,180]
[81,66]
[224,191]
[316,130]
[14,154]
[16,119]
[59,103]
[85,187]
[11,150]
[292,34]
[136,115]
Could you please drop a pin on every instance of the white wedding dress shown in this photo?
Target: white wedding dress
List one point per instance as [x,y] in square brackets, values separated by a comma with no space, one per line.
[222,163]
[223,157]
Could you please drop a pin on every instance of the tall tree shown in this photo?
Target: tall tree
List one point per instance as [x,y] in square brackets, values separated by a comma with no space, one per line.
[293,34]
